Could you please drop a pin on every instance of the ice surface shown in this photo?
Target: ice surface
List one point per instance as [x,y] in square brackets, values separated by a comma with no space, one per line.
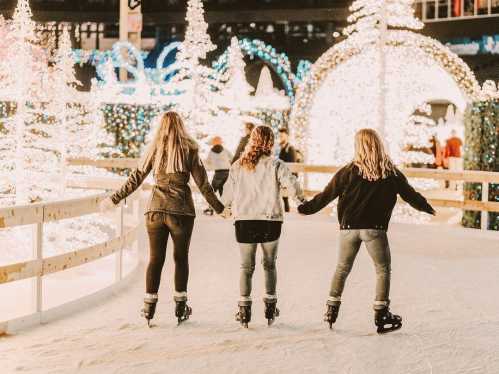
[445,285]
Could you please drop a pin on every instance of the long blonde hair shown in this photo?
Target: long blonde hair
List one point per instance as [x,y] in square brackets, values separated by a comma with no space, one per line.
[371,157]
[170,145]
[260,144]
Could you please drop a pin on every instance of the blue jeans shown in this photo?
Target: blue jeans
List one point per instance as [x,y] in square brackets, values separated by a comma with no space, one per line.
[378,248]
[248,253]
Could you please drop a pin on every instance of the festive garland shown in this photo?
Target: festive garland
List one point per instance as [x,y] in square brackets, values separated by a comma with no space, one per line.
[482,153]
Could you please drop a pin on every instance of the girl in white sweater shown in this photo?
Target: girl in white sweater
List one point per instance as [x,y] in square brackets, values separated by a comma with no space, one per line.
[252,193]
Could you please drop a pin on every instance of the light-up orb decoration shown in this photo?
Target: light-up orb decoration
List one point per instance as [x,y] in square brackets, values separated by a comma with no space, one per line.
[341,94]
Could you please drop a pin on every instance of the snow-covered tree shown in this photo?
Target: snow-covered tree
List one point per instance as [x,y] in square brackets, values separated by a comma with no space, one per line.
[369,16]
[62,104]
[193,77]
[235,91]
[22,66]
[418,133]
[369,24]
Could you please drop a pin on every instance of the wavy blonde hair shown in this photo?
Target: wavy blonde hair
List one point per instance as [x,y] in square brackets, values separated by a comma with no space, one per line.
[170,145]
[261,143]
[371,157]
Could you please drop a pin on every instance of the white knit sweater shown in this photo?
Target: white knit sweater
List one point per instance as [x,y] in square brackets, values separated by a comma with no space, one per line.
[255,194]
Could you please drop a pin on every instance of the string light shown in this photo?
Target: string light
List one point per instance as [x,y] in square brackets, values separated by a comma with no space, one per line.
[482,150]
[339,95]
[279,62]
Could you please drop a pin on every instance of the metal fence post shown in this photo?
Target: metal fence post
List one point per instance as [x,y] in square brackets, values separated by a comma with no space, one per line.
[485,214]
[37,286]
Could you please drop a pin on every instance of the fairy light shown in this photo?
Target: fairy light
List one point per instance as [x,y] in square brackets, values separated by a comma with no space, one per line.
[236,91]
[193,77]
[339,95]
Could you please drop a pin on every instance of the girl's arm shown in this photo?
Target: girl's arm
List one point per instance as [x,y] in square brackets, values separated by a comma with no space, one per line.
[331,192]
[290,182]
[411,196]
[229,186]
[198,172]
[134,180]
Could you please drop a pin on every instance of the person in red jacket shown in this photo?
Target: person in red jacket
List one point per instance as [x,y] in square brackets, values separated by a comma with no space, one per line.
[367,189]
[453,156]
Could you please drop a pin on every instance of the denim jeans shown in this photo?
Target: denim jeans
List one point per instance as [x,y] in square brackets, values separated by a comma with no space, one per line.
[378,248]
[248,254]
[159,227]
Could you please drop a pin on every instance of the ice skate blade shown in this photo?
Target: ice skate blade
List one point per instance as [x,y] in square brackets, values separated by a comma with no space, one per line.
[270,322]
[382,330]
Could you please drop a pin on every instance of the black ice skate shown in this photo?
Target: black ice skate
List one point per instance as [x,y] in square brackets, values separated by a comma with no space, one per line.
[208,212]
[244,314]
[149,308]
[271,312]
[182,311]
[331,314]
[383,318]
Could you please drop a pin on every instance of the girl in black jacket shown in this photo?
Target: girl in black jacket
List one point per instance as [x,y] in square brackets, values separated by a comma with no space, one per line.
[367,189]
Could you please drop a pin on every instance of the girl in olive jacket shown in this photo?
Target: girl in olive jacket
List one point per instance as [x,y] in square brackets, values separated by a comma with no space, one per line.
[172,157]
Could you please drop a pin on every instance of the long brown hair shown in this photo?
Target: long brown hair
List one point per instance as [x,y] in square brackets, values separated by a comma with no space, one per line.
[371,157]
[260,144]
[170,145]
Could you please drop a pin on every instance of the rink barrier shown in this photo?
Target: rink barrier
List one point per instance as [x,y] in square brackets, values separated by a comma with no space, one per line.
[39,266]
[483,177]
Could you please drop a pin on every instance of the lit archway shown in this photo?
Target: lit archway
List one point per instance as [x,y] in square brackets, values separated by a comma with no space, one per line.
[340,94]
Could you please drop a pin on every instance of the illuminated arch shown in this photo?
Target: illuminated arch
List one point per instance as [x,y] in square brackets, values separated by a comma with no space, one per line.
[339,55]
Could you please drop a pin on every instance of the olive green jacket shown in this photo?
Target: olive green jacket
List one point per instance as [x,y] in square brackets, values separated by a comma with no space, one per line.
[171,192]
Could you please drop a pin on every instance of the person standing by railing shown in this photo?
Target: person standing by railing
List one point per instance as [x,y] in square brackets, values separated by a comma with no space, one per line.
[172,157]
[248,128]
[252,194]
[287,154]
[219,160]
[367,189]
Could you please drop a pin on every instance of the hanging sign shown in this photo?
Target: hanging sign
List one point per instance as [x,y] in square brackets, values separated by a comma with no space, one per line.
[132,4]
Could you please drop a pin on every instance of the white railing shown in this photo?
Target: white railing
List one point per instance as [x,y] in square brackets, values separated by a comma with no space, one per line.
[41,213]
[40,266]
[483,177]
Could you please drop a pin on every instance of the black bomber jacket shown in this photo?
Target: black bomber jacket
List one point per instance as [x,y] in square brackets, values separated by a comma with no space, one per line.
[365,204]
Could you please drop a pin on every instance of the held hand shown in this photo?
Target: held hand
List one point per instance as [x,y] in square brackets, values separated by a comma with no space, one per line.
[300,209]
[106,204]
[226,214]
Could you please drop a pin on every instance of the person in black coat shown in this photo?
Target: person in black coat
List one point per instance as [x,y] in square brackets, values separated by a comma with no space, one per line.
[248,128]
[367,189]
[287,154]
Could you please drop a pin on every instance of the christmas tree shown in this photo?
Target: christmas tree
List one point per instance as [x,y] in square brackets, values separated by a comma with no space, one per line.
[236,91]
[371,16]
[193,77]
[24,66]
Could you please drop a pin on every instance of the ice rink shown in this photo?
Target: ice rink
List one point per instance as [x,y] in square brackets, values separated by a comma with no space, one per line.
[445,285]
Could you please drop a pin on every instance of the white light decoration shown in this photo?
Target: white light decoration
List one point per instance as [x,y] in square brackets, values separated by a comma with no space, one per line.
[235,92]
[24,68]
[64,81]
[342,92]
[267,96]
[193,77]
[490,90]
